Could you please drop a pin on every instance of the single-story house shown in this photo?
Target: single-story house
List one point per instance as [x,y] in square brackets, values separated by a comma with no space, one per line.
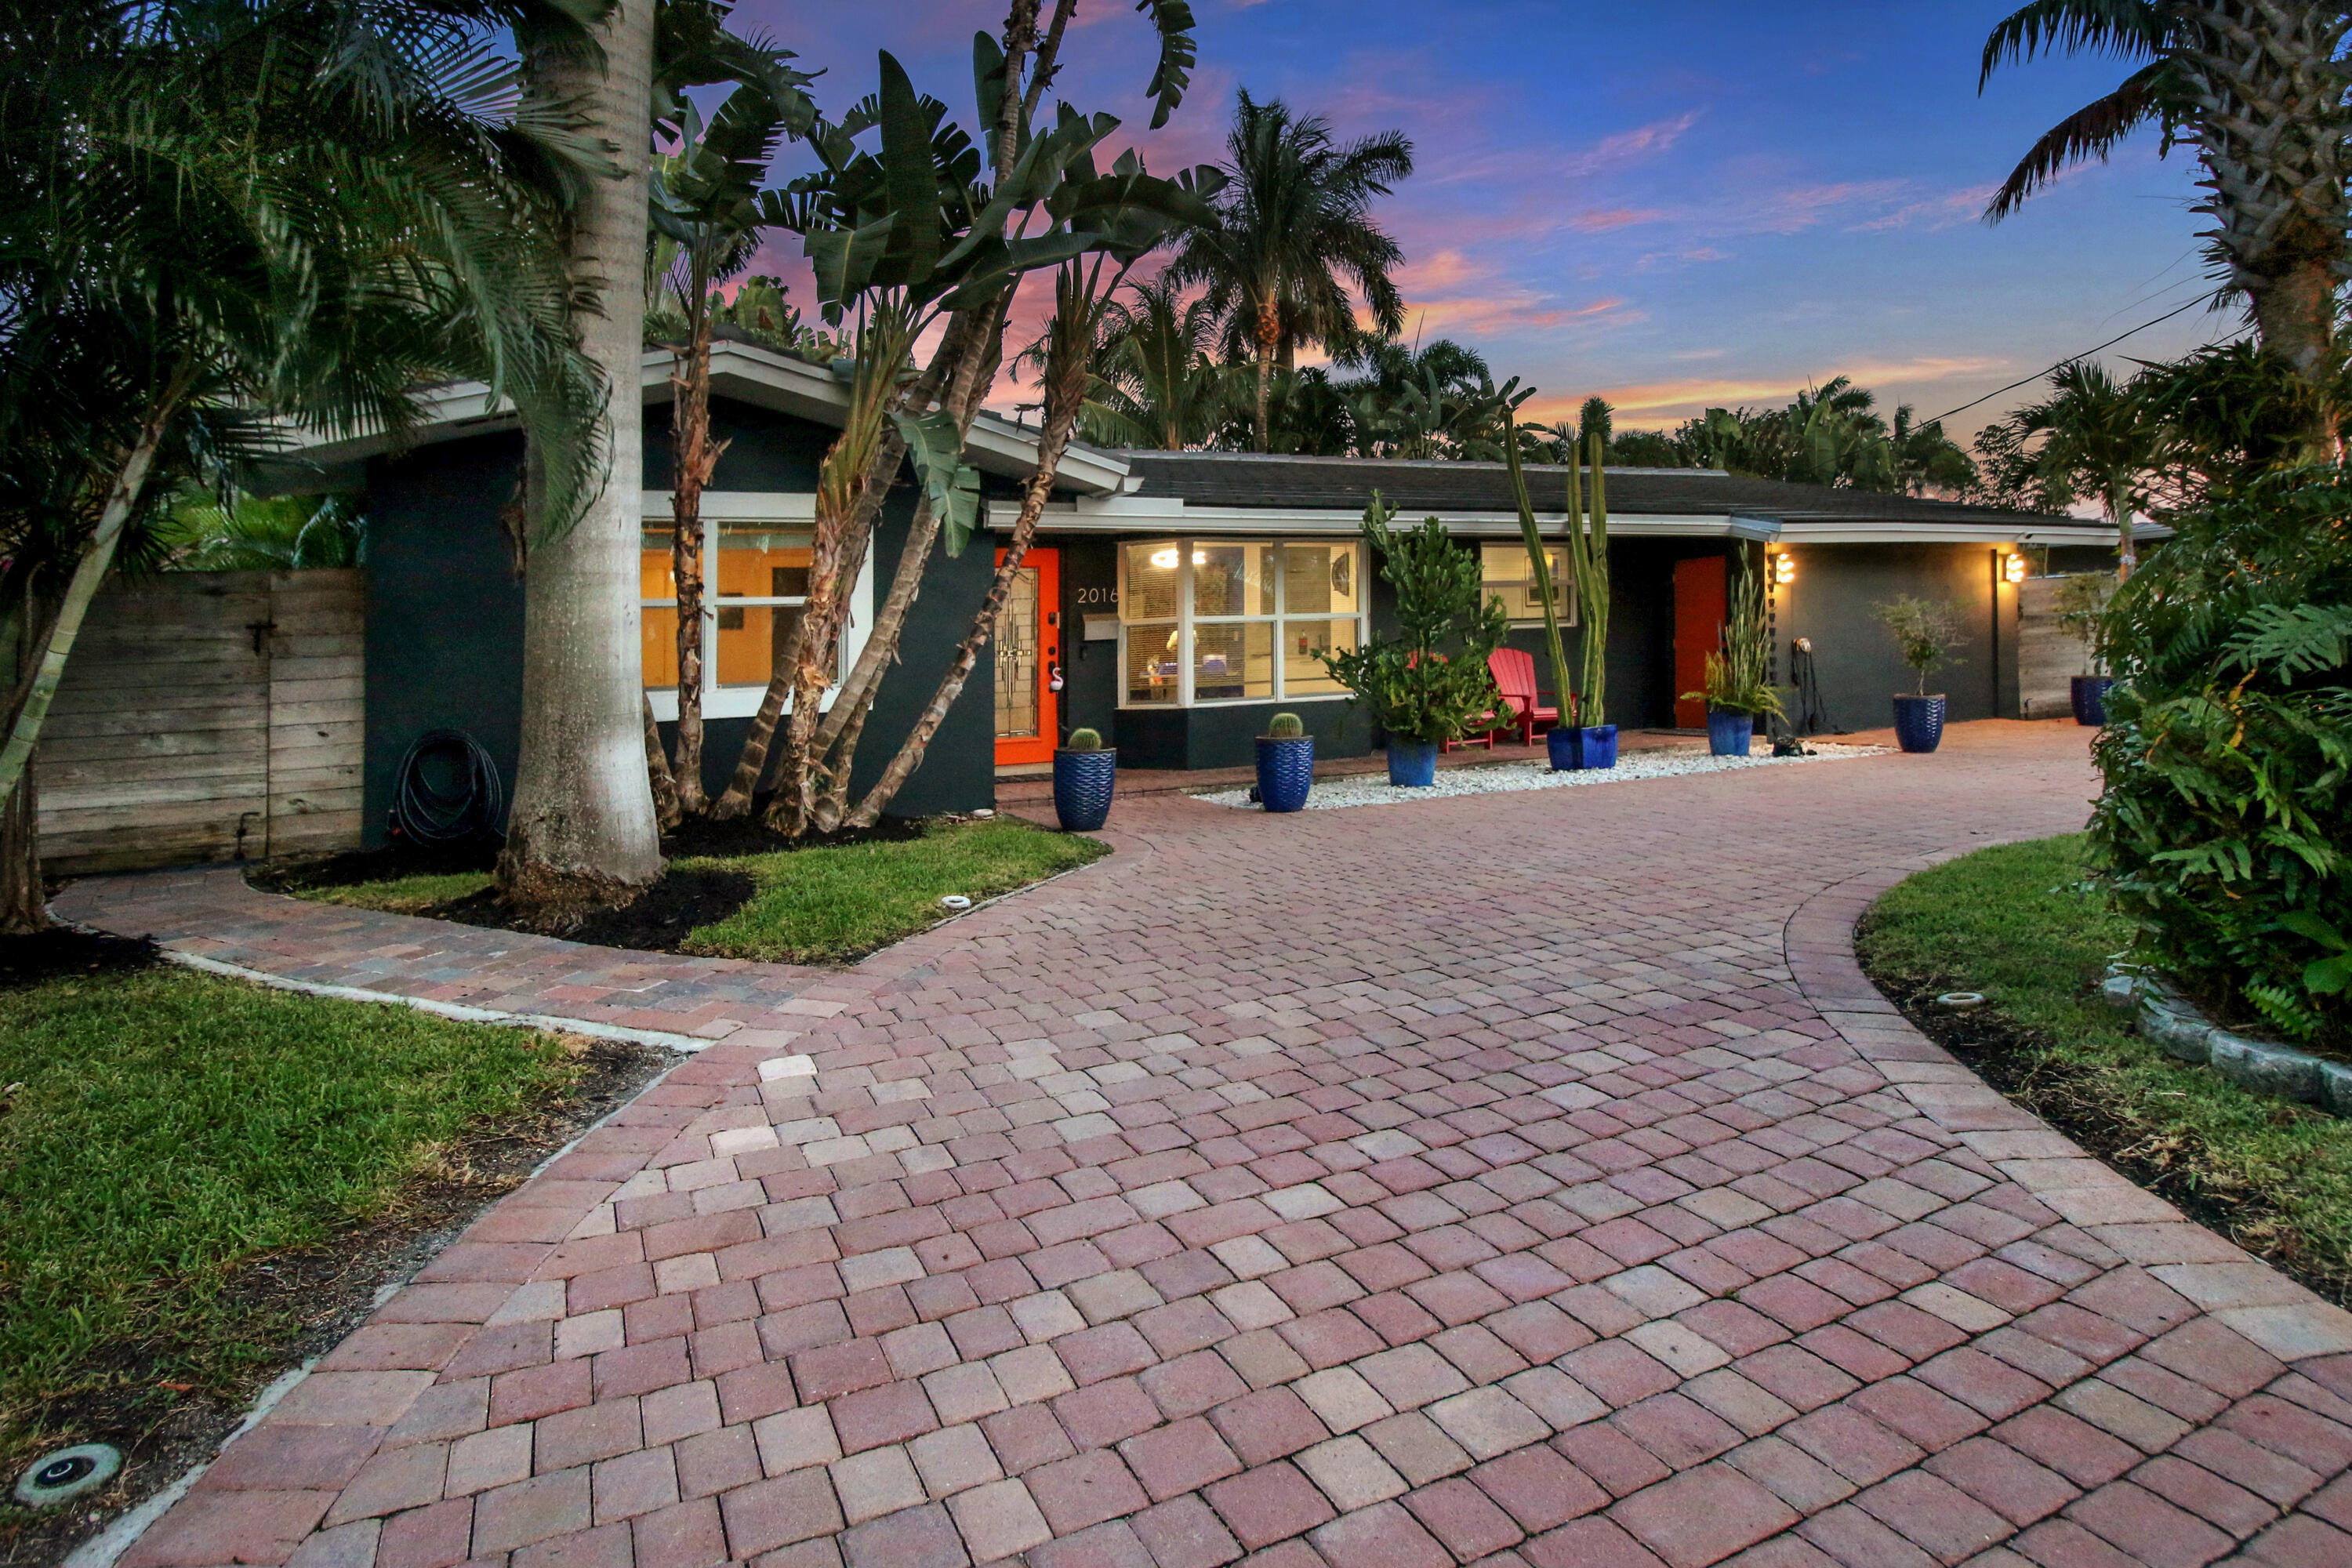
[1174,601]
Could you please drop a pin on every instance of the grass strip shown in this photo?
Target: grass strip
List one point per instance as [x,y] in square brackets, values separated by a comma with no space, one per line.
[2012,922]
[834,901]
[161,1128]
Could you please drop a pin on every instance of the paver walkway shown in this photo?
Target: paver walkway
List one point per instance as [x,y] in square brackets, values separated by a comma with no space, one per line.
[1519,1180]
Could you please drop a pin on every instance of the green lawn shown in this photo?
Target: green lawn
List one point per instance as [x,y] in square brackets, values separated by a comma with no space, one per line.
[163,1128]
[2008,921]
[820,904]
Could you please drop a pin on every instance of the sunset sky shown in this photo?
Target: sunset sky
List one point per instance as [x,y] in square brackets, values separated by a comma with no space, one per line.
[1672,204]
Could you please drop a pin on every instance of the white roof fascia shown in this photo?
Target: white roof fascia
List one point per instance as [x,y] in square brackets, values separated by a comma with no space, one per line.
[1169,514]
[1862,530]
[739,506]
[744,371]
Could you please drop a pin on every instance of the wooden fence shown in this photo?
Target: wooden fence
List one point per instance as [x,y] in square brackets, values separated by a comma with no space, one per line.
[2047,658]
[207,716]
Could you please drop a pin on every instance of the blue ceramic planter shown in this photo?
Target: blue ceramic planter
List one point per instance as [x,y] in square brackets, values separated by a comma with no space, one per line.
[2090,697]
[1728,732]
[1285,771]
[1596,746]
[1082,788]
[1566,749]
[1412,765]
[1919,721]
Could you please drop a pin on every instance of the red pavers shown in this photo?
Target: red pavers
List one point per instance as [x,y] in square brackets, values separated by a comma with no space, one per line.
[1167,1216]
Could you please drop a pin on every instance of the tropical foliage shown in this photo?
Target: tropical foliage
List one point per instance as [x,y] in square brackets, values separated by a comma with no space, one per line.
[1829,435]
[1739,672]
[2225,828]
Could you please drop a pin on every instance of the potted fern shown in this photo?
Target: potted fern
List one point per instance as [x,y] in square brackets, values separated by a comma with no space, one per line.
[1285,764]
[2081,600]
[1738,694]
[1430,684]
[1085,774]
[1925,630]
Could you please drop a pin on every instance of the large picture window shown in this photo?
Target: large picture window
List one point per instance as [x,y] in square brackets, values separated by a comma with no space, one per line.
[1509,575]
[1218,620]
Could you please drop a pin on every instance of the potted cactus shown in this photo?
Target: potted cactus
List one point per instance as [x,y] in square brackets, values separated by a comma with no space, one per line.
[2081,600]
[1925,630]
[1737,693]
[1589,741]
[1084,771]
[1285,764]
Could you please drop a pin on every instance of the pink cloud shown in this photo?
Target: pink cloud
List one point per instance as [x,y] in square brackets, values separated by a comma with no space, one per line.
[1601,220]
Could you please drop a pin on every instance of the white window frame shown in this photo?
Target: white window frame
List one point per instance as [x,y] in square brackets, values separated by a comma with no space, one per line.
[785,512]
[1561,583]
[1186,619]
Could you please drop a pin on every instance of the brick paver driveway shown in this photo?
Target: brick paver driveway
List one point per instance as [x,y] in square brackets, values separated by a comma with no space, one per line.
[1525,1180]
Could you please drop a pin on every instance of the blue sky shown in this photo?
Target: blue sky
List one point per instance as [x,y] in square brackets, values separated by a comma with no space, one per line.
[1674,204]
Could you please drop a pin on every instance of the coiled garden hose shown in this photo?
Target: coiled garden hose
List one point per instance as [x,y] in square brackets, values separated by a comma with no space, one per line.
[424,813]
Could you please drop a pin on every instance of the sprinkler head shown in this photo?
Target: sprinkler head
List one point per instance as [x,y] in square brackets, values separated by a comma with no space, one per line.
[1960,1001]
[955,901]
[68,1474]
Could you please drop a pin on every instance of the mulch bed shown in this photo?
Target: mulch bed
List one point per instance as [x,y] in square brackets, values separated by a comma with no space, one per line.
[319,1294]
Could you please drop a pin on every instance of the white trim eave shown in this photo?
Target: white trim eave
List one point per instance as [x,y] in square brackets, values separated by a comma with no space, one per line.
[745,373]
[738,505]
[1169,514]
[1825,531]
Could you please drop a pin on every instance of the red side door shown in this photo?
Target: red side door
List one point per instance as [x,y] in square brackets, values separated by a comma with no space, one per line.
[1698,631]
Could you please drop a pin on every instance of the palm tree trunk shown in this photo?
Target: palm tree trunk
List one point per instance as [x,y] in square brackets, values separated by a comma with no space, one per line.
[693,456]
[657,774]
[582,832]
[97,558]
[2295,314]
[22,908]
[2119,513]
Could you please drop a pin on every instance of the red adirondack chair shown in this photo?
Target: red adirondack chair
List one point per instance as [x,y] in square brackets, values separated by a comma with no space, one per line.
[1514,673]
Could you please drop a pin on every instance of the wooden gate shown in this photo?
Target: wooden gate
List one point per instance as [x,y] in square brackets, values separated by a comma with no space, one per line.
[207,716]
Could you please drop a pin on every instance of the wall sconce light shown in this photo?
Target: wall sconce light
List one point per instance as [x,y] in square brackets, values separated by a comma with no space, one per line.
[2013,568]
[1784,570]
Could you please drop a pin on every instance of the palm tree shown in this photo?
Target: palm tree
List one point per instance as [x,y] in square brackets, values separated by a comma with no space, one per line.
[216,214]
[582,832]
[2259,89]
[1295,217]
[2091,437]
[1155,379]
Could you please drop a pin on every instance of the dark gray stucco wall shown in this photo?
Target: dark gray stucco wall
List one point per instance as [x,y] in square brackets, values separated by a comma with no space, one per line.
[1837,588]
[445,609]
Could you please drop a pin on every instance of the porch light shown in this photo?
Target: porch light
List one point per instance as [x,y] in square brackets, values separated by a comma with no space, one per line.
[1166,559]
[2012,567]
[1784,570]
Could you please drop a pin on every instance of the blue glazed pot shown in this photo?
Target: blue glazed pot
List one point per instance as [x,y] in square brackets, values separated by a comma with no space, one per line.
[1597,746]
[1728,732]
[1566,749]
[1412,765]
[1285,771]
[1082,787]
[1919,721]
[2090,695]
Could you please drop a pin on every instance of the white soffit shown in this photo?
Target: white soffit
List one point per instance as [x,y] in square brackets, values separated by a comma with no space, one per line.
[1168,514]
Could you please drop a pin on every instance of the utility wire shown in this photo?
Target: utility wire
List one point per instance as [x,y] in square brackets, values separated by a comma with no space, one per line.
[2070,359]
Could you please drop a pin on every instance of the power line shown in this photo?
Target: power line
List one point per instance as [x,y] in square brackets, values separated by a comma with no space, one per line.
[2070,359]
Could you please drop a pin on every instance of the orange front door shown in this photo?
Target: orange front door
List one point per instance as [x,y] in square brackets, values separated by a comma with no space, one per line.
[1698,631]
[1028,655]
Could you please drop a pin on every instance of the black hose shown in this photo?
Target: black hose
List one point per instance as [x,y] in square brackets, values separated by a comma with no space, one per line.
[425,814]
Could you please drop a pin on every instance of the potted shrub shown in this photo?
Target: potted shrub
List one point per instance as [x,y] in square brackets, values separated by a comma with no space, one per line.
[1084,771]
[1737,693]
[1589,741]
[1925,630]
[1285,764]
[1430,683]
[2081,600]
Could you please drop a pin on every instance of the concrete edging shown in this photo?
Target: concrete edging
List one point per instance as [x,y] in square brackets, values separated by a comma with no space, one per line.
[2174,1025]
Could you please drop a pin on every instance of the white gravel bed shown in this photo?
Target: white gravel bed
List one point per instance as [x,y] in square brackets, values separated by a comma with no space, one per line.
[1374,789]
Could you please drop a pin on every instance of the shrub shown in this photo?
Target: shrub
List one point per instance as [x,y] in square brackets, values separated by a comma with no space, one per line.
[1284,727]
[1926,630]
[1085,741]
[2226,823]
[1430,683]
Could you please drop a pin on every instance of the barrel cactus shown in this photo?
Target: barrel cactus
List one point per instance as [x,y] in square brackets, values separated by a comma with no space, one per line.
[1085,741]
[1284,727]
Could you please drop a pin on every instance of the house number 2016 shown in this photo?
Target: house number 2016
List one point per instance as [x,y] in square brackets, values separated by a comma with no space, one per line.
[1098,595]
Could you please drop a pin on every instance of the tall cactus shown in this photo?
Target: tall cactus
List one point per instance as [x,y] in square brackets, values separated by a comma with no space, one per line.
[1587,561]
[1539,563]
